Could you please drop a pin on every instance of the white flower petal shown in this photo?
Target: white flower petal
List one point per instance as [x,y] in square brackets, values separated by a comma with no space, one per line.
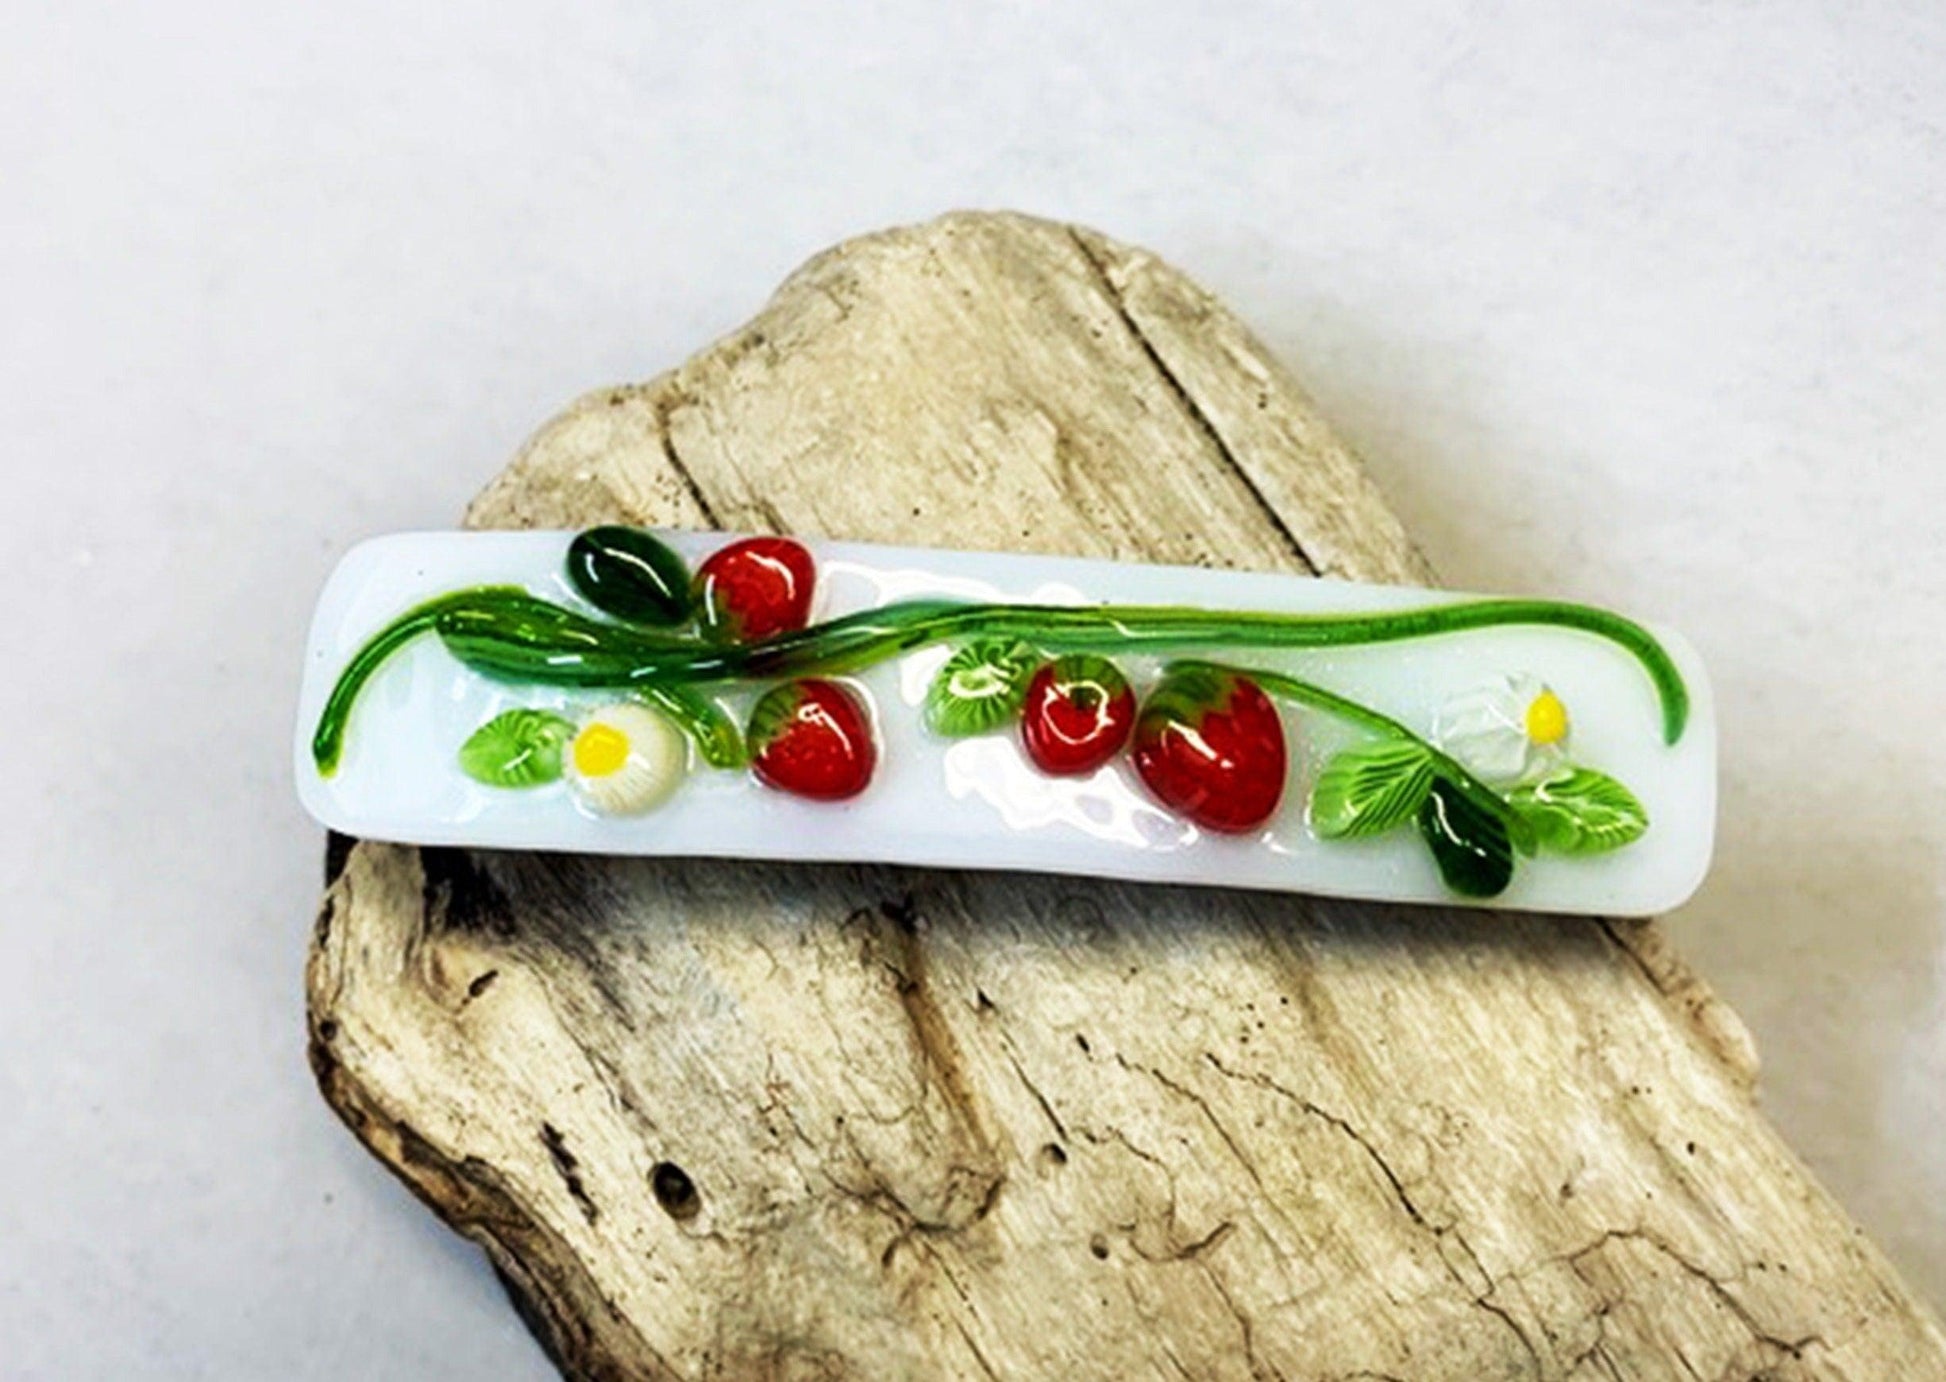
[1495,756]
[1486,730]
[644,776]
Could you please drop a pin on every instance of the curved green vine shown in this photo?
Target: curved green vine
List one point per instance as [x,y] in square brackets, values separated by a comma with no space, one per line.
[506,633]
[328,740]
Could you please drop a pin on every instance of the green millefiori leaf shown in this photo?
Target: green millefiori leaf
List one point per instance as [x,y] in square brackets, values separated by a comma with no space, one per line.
[709,727]
[1581,812]
[516,748]
[1470,844]
[1371,789]
[981,687]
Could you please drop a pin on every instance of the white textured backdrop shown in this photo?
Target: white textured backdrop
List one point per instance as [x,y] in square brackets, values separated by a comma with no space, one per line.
[1647,310]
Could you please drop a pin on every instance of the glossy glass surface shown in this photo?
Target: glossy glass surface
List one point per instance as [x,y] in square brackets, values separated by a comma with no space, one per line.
[953,708]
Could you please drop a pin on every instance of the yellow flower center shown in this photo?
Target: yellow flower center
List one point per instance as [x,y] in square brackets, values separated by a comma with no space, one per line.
[600,750]
[1547,719]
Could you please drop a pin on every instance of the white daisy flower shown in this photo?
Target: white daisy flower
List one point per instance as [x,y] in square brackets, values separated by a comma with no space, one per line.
[626,759]
[1512,730]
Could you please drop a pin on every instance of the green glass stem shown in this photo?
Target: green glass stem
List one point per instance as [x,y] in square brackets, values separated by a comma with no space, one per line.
[328,741]
[510,635]
[715,735]
[502,642]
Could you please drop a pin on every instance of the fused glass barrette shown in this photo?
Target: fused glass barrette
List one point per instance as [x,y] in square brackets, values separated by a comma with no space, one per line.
[638,691]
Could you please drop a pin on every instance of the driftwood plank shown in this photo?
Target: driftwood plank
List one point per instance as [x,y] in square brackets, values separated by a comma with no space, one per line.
[729,1120]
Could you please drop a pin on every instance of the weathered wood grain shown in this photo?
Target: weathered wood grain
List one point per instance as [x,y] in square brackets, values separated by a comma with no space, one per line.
[743,1120]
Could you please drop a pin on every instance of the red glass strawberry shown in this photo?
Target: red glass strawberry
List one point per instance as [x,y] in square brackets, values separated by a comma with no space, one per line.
[755,588]
[812,738]
[1077,715]
[1209,745]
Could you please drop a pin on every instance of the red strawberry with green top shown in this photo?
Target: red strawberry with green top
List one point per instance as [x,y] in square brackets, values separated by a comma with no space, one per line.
[1077,715]
[812,738]
[1209,744]
[754,589]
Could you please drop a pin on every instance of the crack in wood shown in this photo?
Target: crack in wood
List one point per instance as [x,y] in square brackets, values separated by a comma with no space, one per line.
[666,405]
[569,1170]
[1392,1179]
[1718,1287]
[1191,409]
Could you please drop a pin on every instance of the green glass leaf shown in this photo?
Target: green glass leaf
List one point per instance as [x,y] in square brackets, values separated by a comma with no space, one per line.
[714,733]
[516,748]
[1371,789]
[981,687]
[1470,844]
[1581,812]
[631,574]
